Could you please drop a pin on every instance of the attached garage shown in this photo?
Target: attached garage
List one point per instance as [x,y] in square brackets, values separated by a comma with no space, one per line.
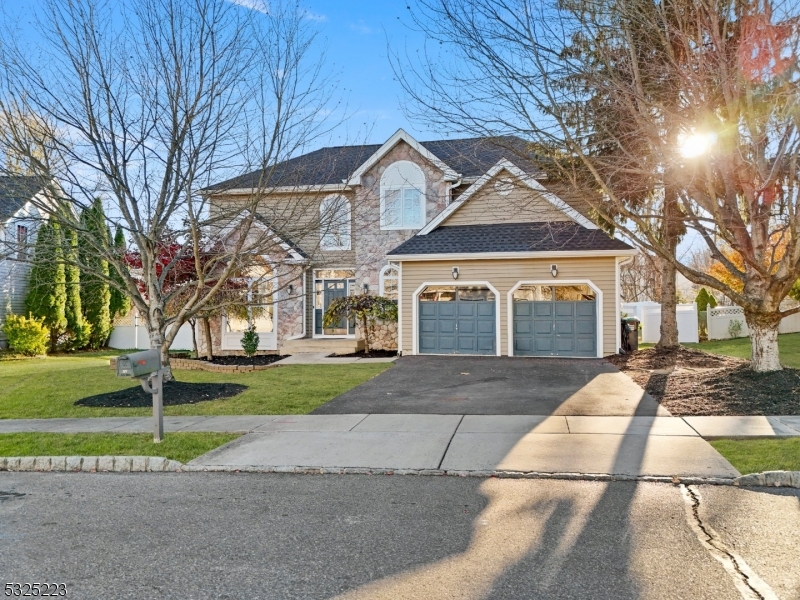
[509,268]
[457,320]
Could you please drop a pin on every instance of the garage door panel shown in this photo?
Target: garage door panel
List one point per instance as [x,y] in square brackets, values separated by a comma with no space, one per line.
[586,346]
[565,345]
[485,309]
[542,327]
[428,310]
[466,327]
[565,309]
[585,327]
[446,326]
[524,344]
[486,327]
[523,327]
[565,327]
[543,344]
[427,326]
[585,309]
[447,343]
[523,309]
[486,344]
[542,309]
[444,309]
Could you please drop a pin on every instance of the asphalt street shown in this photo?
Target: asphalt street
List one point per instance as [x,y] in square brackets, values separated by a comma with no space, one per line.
[224,535]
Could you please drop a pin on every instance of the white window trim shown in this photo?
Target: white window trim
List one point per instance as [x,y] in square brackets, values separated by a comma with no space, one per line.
[382,274]
[322,234]
[401,188]
[451,283]
[599,309]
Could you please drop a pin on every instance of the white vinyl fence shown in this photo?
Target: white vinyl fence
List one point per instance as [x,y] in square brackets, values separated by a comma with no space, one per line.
[649,315]
[129,334]
[720,321]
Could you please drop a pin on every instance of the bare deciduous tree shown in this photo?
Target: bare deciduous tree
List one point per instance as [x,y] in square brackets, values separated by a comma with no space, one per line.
[715,112]
[148,104]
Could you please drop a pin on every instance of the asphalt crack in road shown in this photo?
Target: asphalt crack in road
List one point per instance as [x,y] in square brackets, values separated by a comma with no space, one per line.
[749,584]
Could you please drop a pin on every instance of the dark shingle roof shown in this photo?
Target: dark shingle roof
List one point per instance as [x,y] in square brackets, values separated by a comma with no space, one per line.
[15,192]
[510,237]
[470,157]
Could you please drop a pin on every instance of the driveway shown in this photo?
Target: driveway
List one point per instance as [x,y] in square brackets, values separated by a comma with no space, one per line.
[476,385]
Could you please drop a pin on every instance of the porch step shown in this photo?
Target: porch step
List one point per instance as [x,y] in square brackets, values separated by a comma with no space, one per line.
[329,345]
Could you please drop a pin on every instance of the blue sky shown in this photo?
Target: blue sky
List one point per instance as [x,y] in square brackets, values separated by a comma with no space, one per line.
[357,33]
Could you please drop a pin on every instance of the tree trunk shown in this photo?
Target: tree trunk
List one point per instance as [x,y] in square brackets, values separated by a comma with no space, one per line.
[366,333]
[668,339]
[193,325]
[157,343]
[207,334]
[763,342]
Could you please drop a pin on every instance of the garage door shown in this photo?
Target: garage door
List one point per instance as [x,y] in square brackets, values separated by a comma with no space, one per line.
[558,320]
[457,320]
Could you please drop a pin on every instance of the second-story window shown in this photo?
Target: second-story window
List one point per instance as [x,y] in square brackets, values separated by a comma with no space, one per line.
[22,242]
[334,227]
[403,196]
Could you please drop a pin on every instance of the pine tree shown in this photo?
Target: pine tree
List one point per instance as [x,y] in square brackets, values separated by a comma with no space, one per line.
[120,303]
[95,293]
[78,328]
[47,293]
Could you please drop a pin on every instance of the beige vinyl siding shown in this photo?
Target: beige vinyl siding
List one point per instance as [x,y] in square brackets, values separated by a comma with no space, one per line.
[521,205]
[296,216]
[504,274]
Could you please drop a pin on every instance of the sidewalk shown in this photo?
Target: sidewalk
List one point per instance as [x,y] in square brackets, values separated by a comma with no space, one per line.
[658,446]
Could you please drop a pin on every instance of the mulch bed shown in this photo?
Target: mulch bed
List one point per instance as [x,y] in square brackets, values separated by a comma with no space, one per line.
[175,393]
[688,382]
[372,354]
[236,361]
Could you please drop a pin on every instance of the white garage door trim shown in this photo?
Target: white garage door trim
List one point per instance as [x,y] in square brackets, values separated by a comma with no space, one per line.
[456,283]
[599,301]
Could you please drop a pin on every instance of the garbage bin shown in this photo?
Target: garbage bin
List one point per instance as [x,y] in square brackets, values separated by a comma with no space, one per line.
[630,334]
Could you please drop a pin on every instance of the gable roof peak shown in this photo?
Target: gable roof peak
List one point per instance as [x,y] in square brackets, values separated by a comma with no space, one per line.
[506,165]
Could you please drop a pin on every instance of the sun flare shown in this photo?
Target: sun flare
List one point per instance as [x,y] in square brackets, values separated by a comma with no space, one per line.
[696,144]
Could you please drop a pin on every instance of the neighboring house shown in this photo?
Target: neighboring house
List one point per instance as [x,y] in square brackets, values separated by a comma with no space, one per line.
[482,253]
[18,225]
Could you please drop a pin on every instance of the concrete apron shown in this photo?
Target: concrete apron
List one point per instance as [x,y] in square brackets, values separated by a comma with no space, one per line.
[624,446]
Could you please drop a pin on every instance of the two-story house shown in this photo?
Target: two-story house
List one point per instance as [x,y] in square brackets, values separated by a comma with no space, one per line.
[482,253]
[18,225]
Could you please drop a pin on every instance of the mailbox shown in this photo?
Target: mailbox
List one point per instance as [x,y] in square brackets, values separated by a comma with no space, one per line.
[138,364]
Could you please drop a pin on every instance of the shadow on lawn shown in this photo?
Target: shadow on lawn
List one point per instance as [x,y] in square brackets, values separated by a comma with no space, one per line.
[175,393]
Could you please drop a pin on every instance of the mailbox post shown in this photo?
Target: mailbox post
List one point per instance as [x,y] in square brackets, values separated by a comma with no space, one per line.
[146,367]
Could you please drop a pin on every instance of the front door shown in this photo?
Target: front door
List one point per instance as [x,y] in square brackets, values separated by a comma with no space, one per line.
[331,290]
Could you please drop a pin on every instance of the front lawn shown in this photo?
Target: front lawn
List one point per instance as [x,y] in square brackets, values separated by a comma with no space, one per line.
[788,344]
[755,456]
[176,446]
[48,388]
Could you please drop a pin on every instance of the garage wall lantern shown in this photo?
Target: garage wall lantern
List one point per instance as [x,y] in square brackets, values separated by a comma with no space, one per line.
[554,270]
[455,272]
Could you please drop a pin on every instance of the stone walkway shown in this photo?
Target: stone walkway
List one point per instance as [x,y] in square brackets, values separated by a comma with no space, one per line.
[324,358]
[619,445]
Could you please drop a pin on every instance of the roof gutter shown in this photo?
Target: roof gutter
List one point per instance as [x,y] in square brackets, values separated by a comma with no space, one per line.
[501,255]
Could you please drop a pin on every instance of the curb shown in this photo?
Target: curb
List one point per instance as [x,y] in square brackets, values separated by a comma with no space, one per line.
[768,479]
[158,464]
[90,464]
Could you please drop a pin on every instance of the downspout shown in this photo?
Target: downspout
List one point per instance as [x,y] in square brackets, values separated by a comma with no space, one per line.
[624,261]
[305,300]
[449,190]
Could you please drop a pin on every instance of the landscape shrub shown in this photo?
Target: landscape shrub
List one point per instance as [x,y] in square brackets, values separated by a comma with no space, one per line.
[26,335]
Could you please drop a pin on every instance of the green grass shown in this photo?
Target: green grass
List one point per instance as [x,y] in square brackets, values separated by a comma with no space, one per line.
[754,456]
[176,446]
[48,388]
[788,344]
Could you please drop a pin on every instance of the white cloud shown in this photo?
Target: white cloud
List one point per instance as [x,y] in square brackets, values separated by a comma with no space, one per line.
[361,27]
[314,16]
[259,5]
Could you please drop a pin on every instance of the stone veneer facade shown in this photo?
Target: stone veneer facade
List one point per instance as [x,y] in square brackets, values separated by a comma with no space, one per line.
[369,246]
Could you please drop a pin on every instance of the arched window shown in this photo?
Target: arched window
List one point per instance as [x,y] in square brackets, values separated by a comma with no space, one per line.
[334,228]
[403,196]
[389,282]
